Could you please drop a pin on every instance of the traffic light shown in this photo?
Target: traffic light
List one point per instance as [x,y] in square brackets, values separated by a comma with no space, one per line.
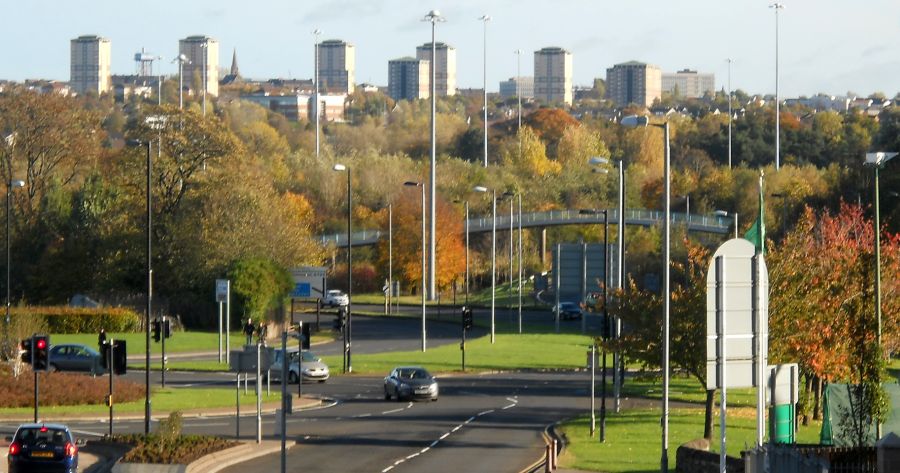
[167,327]
[41,347]
[305,337]
[27,353]
[467,319]
[120,357]
[155,326]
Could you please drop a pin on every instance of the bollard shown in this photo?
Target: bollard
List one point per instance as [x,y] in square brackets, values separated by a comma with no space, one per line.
[547,467]
[554,454]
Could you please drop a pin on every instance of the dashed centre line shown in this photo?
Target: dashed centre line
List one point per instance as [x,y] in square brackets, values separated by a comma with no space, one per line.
[514,401]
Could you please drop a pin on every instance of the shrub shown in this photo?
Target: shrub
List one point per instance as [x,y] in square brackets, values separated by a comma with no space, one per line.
[61,319]
[182,449]
[63,389]
[258,285]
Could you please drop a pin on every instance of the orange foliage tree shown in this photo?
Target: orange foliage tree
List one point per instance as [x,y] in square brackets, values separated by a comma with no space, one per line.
[407,245]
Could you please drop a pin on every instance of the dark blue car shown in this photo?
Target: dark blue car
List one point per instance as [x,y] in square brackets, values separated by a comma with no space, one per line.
[43,448]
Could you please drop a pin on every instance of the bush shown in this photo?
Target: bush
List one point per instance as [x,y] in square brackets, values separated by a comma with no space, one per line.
[182,449]
[61,319]
[63,389]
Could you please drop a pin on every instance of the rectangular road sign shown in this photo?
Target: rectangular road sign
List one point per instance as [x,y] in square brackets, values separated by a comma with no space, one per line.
[222,287]
[309,281]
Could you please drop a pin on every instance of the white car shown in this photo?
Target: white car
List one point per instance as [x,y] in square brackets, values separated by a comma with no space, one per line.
[314,369]
[336,298]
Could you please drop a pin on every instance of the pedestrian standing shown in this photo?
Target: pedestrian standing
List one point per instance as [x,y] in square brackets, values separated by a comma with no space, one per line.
[248,331]
[101,339]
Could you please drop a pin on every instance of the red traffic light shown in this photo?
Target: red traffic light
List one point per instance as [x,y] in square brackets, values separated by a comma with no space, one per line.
[41,344]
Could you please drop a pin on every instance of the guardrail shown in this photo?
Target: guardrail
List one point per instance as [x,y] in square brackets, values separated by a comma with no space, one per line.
[698,223]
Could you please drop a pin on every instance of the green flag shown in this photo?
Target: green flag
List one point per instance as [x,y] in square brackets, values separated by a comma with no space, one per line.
[757,232]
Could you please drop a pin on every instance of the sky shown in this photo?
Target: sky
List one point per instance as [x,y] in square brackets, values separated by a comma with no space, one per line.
[828,46]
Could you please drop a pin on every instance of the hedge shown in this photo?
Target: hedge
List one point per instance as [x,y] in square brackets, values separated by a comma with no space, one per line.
[81,320]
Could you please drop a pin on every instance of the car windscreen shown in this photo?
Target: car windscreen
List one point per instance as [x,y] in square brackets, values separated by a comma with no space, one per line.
[414,374]
[37,435]
[309,357]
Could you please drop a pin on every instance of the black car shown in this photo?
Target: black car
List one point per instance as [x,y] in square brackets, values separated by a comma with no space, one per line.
[410,382]
[43,448]
[568,310]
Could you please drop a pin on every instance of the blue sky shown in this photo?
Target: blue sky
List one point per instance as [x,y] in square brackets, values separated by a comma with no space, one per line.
[831,46]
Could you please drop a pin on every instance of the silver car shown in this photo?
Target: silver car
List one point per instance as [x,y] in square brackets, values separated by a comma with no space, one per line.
[314,369]
[410,382]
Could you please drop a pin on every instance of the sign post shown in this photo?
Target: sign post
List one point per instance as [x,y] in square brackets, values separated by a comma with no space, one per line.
[222,290]
[736,325]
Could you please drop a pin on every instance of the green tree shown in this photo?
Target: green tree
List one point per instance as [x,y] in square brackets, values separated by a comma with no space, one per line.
[259,285]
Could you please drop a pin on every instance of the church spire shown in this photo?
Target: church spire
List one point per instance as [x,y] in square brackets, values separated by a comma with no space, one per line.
[234,65]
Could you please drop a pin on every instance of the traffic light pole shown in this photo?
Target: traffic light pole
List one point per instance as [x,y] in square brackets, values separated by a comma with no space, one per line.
[463,348]
[162,336]
[109,367]
[36,383]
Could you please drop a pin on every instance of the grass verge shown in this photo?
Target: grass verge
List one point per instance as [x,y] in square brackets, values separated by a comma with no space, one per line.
[510,352]
[163,400]
[633,438]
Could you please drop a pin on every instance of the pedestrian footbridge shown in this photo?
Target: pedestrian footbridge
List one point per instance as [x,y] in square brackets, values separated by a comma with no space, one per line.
[716,224]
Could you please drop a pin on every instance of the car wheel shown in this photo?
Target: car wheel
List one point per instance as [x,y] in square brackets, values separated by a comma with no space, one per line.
[387,395]
[292,377]
[321,381]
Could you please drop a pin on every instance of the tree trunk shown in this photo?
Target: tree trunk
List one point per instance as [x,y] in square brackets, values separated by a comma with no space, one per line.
[809,387]
[708,418]
[817,382]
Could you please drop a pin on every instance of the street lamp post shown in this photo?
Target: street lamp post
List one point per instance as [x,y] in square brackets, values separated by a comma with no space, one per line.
[777,6]
[149,297]
[878,160]
[633,121]
[316,33]
[606,325]
[433,17]
[730,114]
[519,195]
[390,256]
[485,19]
[205,47]
[181,59]
[422,185]
[349,329]
[493,254]
[9,187]
[620,250]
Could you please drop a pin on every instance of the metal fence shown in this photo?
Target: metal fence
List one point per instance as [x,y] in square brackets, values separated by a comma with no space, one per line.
[810,459]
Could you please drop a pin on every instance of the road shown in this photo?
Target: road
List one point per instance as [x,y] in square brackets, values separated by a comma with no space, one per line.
[481,423]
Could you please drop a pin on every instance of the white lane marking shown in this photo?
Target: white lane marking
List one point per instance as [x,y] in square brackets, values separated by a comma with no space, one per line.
[470,419]
[425,450]
[387,469]
[433,443]
[446,434]
[482,413]
[409,405]
[456,428]
[362,415]
[414,455]
[394,410]
[87,432]
[212,424]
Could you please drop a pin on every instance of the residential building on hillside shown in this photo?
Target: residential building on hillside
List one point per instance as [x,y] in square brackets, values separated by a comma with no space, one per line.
[553,76]
[516,86]
[444,64]
[299,106]
[633,82]
[337,66]
[201,51]
[90,63]
[409,79]
[688,83]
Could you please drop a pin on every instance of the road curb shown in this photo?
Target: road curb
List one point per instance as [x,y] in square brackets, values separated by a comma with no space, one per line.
[218,461]
[268,408]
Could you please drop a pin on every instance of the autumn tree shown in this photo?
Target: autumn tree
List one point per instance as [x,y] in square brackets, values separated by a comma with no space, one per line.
[640,311]
[407,244]
[821,286]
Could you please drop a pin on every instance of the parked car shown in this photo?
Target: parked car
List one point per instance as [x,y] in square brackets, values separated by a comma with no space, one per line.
[568,310]
[74,357]
[314,369]
[336,298]
[43,447]
[410,382]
